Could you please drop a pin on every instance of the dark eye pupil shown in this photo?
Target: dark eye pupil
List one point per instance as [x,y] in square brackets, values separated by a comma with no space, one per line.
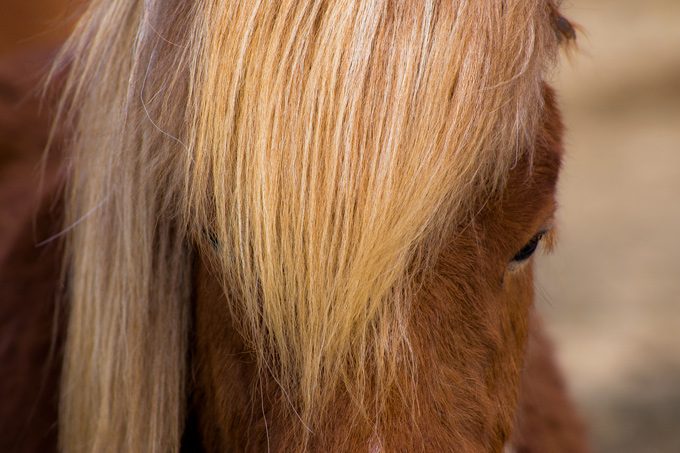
[529,249]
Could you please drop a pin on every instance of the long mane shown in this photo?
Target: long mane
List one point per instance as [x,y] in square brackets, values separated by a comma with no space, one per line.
[312,152]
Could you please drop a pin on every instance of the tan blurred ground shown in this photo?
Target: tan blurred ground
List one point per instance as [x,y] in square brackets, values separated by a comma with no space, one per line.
[611,291]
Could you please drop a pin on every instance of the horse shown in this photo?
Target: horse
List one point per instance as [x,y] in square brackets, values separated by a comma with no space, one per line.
[307,226]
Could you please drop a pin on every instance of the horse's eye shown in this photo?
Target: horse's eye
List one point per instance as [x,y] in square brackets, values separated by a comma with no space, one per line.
[529,249]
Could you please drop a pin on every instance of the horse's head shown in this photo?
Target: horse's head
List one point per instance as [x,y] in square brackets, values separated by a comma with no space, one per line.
[359,188]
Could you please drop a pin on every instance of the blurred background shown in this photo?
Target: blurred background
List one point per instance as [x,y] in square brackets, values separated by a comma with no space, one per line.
[611,290]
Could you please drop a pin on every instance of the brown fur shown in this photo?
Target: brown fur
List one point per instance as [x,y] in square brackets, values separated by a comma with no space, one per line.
[26,24]
[29,274]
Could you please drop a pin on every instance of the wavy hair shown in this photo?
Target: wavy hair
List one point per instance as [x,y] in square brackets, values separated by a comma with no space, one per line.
[313,152]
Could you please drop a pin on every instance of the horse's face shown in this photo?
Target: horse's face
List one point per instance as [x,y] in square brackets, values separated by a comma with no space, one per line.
[468,329]
[472,320]
[365,183]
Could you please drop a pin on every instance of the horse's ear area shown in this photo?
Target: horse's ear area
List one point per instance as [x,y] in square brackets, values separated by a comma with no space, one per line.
[565,29]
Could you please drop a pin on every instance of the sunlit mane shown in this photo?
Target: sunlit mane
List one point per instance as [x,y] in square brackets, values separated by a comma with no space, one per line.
[312,152]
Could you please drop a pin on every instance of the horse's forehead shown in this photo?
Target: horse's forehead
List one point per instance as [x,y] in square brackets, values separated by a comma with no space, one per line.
[528,200]
[548,152]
